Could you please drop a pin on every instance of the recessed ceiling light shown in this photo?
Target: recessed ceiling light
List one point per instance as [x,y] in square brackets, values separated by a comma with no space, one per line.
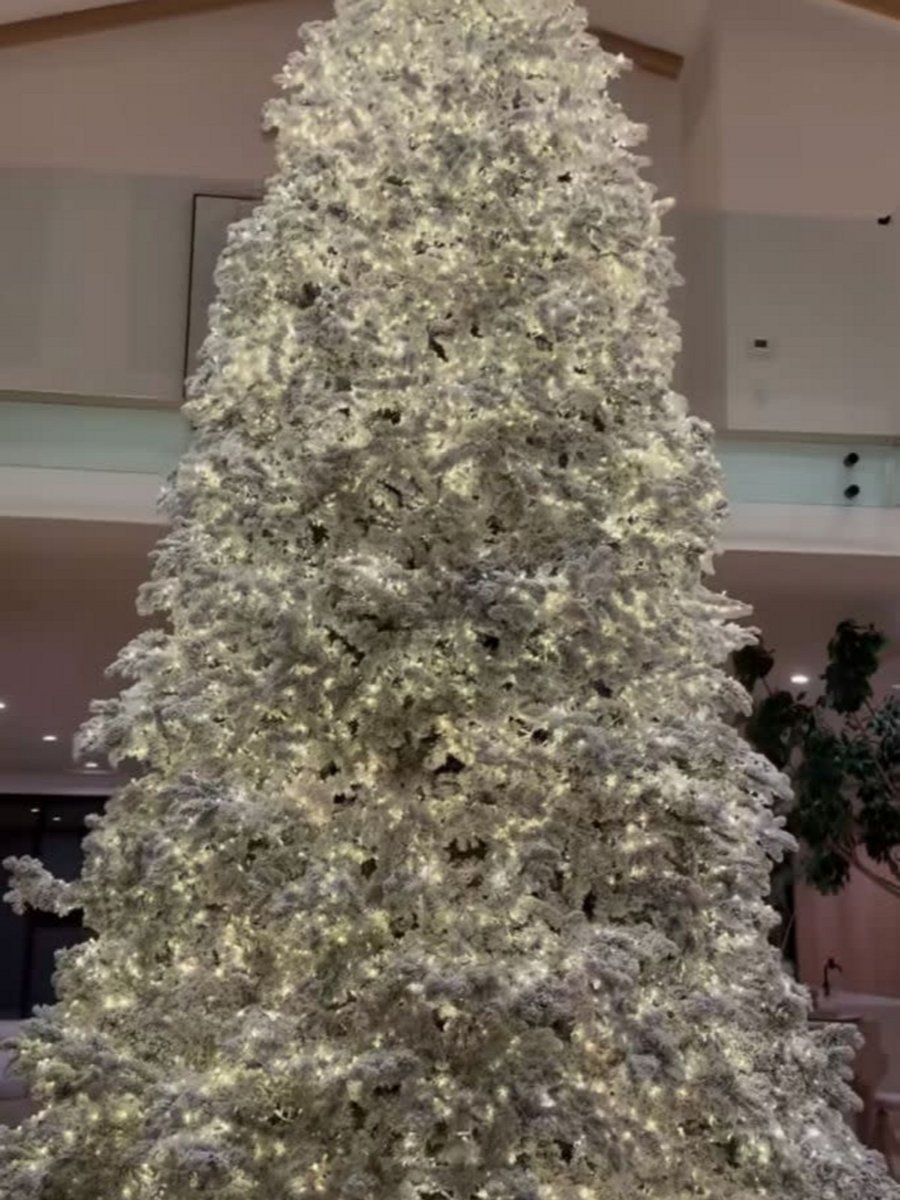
[800,679]
[35,810]
[49,737]
[2,705]
[92,766]
[57,818]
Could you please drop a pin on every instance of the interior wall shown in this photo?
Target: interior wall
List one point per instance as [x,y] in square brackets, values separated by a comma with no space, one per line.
[788,109]
[655,102]
[97,269]
[171,97]
[183,96]
[824,295]
[859,928]
[114,134]
[808,92]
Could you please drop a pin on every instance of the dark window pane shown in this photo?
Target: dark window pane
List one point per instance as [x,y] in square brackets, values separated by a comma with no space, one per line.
[13,931]
[61,854]
[70,815]
[51,828]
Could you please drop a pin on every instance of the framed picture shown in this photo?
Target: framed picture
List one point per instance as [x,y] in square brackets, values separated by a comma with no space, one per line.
[212,217]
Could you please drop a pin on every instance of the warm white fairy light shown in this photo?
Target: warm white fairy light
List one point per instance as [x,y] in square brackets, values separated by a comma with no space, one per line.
[445,878]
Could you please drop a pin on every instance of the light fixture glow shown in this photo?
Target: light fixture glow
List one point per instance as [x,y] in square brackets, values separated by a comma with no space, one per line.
[92,766]
[800,679]
[2,705]
[50,737]
[35,810]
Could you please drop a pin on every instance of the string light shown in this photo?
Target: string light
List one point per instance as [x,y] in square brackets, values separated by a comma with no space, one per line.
[445,874]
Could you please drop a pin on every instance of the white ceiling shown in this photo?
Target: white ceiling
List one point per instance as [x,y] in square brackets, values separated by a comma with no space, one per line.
[67,607]
[672,24]
[798,600]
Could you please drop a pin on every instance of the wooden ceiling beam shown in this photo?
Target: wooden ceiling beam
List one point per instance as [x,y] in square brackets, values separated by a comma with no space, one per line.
[649,58]
[119,16]
[884,8]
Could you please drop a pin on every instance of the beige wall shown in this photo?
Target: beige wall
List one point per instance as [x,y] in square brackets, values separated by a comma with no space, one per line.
[789,114]
[795,107]
[860,928]
[183,97]
[656,103]
[113,134]
[166,97]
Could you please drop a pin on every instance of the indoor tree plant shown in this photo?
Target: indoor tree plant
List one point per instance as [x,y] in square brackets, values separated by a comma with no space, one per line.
[841,750]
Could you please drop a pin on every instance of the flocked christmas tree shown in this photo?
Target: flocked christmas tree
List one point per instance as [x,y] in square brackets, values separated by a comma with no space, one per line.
[444,878]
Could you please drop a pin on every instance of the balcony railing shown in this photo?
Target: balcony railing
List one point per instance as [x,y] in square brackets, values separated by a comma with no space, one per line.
[794,470]
[102,462]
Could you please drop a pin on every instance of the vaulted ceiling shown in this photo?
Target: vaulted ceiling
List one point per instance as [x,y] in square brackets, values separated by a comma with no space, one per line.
[671,24]
[664,23]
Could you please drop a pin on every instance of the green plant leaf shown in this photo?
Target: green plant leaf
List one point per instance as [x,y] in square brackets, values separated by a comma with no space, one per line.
[827,871]
[854,655]
[752,664]
[772,727]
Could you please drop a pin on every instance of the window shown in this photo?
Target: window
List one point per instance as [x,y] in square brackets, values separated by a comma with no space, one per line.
[50,828]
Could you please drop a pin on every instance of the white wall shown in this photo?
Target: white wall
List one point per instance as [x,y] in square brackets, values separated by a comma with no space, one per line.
[183,96]
[114,133]
[174,97]
[826,295]
[785,110]
[655,102]
[789,120]
[96,272]
[807,93]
